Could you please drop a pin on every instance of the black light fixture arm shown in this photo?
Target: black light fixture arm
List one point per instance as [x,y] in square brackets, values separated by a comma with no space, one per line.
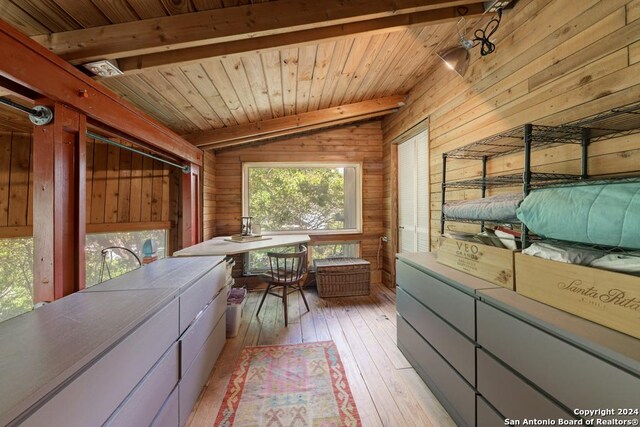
[483,35]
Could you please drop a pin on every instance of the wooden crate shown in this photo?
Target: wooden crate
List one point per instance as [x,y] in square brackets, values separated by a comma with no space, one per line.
[492,264]
[608,298]
[341,277]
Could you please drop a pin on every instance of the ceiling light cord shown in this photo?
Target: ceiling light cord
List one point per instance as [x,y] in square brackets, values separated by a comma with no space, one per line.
[482,36]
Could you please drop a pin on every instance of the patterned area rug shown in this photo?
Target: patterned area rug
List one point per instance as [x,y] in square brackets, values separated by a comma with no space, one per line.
[289,385]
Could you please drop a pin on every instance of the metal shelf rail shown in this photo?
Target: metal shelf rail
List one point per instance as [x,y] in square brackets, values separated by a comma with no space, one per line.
[606,125]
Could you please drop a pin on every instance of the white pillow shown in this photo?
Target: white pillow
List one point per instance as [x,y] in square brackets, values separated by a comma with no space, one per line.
[507,240]
[618,262]
[563,254]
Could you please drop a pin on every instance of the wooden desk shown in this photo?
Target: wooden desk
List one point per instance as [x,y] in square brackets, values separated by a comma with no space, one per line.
[219,246]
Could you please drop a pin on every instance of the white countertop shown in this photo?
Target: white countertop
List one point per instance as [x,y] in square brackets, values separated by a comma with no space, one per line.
[219,246]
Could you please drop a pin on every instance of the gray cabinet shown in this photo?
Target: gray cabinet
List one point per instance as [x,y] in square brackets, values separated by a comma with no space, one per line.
[456,395]
[119,353]
[488,353]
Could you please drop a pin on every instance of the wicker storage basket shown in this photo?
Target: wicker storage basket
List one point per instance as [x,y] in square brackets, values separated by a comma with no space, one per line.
[341,277]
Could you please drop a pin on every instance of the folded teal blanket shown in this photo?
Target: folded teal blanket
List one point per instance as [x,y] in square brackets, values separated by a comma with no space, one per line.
[601,214]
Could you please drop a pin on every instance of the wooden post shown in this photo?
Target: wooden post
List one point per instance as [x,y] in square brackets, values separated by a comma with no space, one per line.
[191,204]
[59,198]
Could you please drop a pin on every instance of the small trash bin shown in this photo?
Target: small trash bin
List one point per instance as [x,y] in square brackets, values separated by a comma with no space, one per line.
[235,305]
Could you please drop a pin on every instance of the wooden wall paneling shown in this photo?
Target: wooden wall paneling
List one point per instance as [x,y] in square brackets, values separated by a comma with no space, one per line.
[323,61]
[356,54]
[112,185]
[166,193]
[273,76]
[19,182]
[182,84]
[240,83]
[135,207]
[5,176]
[208,4]
[199,79]
[356,143]
[22,20]
[157,192]
[89,177]
[306,65]
[552,65]
[376,42]
[209,196]
[116,11]
[633,11]
[252,65]
[49,14]
[84,12]
[289,58]
[124,186]
[137,91]
[147,9]
[411,59]
[146,189]
[634,53]
[99,182]
[175,98]
[388,48]
[338,60]
[440,32]
[217,74]
[177,7]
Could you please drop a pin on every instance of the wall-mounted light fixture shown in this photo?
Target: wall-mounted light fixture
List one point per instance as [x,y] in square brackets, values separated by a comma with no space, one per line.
[103,68]
[457,57]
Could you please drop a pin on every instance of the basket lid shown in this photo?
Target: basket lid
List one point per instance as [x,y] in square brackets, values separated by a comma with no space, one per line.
[328,262]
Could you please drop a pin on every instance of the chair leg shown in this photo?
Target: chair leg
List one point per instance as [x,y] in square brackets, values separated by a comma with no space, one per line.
[285,292]
[303,298]
[263,298]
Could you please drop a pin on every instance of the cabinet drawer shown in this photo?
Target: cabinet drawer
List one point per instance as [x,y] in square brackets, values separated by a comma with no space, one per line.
[198,295]
[169,413]
[196,376]
[572,376]
[195,336]
[92,397]
[487,416]
[147,398]
[458,398]
[458,350]
[451,304]
[512,396]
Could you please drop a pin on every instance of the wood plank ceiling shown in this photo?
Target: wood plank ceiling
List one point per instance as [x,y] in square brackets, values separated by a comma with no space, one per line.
[249,87]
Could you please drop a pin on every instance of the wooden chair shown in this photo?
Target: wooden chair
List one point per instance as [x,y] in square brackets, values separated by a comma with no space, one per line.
[288,271]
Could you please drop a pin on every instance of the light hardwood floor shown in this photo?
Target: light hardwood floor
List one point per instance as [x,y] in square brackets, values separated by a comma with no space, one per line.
[387,391]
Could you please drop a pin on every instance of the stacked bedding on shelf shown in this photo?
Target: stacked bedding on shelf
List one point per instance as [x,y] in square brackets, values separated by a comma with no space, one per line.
[500,208]
[604,213]
[599,213]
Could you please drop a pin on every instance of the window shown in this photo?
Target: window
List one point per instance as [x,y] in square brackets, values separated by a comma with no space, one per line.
[258,261]
[118,261]
[16,277]
[309,198]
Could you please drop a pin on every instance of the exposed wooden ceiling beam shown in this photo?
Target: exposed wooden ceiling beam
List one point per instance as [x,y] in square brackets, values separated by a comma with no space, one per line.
[26,63]
[226,24]
[293,39]
[268,129]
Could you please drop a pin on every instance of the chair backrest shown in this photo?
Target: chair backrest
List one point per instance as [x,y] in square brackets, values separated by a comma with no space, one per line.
[288,268]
